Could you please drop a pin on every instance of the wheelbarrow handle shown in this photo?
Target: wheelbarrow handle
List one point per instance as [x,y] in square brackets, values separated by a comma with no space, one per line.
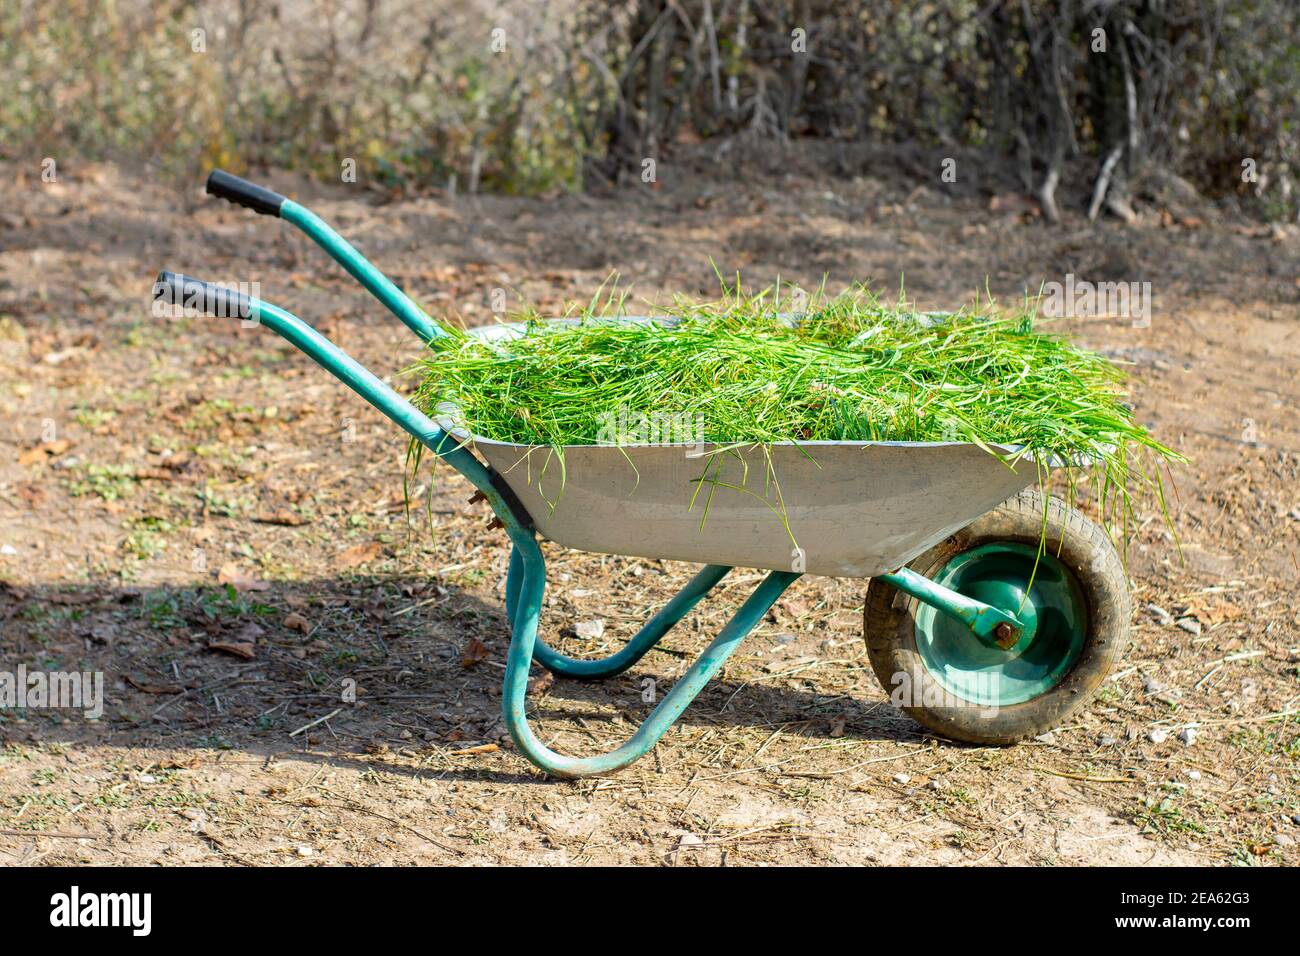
[243,193]
[175,289]
[268,203]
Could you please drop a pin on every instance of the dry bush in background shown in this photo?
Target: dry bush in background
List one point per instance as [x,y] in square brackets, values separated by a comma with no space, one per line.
[1187,87]
[412,91]
[416,94]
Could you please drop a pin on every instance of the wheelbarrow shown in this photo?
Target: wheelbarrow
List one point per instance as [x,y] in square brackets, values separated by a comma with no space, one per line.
[992,613]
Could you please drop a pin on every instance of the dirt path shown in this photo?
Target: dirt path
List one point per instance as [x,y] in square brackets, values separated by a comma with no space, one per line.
[146,460]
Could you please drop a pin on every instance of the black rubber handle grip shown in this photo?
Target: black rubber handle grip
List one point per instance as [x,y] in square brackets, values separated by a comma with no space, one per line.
[243,193]
[188,292]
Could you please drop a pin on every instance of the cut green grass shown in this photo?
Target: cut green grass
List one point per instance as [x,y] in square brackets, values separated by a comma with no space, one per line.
[739,371]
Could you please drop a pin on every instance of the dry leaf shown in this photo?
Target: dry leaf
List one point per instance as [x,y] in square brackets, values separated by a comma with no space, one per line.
[72,597]
[296,622]
[242,649]
[283,516]
[31,493]
[1213,610]
[480,749]
[43,451]
[103,633]
[541,683]
[795,608]
[250,632]
[359,554]
[153,688]
[474,652]
[181,763]
[1014,203]
[241,580]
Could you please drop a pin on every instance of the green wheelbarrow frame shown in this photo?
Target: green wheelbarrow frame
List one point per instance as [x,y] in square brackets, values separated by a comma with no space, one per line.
[526,578]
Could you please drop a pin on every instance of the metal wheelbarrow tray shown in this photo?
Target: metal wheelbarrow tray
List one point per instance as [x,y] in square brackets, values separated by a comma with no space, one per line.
[845,509]
[989,616]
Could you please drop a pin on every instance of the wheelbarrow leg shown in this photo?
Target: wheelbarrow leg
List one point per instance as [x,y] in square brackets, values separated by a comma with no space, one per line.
[514,697]
[651,634]
[514,577]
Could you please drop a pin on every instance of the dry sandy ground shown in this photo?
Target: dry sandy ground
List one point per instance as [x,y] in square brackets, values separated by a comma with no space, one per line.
[146,461]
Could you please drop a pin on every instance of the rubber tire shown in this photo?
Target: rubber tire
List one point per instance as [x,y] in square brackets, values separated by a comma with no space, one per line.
[1083,548]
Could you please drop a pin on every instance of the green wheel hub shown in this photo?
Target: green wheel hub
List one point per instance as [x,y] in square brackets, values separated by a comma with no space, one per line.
[1053,611]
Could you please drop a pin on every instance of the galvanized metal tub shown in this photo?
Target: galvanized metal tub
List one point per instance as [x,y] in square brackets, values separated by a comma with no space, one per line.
[852,509]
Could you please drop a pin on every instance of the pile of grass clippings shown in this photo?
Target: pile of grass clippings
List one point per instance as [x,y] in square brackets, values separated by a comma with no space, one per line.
[850,369]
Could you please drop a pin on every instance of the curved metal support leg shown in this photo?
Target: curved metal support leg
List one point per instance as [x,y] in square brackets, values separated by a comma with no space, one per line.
[522,644]
[651,634]
[514,577]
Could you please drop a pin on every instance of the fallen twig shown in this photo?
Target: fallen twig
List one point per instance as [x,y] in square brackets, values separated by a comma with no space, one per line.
[1079,776]
[318,720]
[51,834]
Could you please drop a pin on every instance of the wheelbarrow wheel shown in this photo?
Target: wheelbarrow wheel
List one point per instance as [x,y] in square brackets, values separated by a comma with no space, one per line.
[1074,603]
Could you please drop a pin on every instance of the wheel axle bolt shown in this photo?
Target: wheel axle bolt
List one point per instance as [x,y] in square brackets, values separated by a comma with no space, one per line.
[1005,636]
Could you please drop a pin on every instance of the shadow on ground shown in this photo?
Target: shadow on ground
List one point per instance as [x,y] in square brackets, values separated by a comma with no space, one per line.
[424,660]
